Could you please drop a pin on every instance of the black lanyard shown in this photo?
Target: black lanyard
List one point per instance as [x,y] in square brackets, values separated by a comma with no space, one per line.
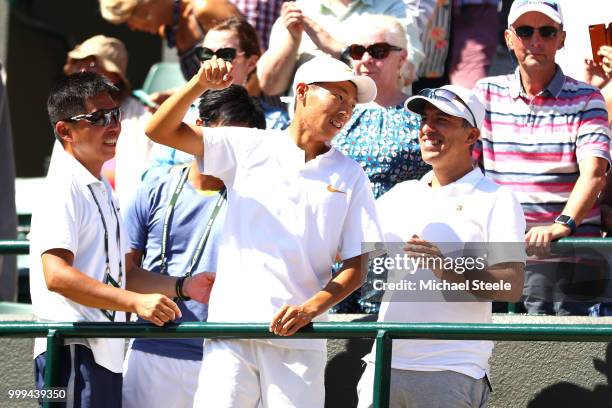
[108,278]
[166,231]
[120,277]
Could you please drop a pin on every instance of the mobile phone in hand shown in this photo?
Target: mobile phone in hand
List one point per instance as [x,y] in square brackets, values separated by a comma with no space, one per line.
[144,98]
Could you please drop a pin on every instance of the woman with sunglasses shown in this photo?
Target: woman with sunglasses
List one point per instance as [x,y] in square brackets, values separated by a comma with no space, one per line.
[307,28]
[236,41]
[182,23]
[382,136]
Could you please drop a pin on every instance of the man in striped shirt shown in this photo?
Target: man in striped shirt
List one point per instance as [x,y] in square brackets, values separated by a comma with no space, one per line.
[545,136]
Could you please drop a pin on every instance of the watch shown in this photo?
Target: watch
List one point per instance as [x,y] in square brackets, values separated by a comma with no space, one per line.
[568,221]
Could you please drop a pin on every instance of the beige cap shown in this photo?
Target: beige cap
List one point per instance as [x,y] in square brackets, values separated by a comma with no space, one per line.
[110,53]
[117,11]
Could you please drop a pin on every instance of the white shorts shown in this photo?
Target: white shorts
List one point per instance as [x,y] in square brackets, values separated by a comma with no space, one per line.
[154,381]
[251,373]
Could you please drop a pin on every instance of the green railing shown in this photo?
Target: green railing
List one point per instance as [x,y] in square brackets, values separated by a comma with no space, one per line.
[383,333]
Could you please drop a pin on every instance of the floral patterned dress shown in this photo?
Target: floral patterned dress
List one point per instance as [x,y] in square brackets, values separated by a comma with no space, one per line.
[385,142]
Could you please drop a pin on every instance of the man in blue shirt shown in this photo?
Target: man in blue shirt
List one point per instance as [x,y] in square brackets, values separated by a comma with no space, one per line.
[174,224]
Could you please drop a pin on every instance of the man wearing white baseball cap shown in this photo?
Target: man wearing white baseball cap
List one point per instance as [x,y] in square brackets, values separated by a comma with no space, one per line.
[294,204]
[457,207]
[546,137]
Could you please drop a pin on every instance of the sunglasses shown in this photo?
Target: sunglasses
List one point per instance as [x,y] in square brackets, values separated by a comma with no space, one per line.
[447,96]
[226,54]
[102,117]
[377,51]
[547,32]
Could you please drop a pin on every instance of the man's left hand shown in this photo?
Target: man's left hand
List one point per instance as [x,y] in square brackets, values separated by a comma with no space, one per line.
[420,248]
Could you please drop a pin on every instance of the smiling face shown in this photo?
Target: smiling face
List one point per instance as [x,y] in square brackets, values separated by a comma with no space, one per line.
[385,72]
[535,52]
[90,144]
[444,139]
[325,107]
[242,65]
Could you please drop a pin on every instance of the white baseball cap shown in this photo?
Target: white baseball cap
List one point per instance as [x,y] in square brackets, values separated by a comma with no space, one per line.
[549,8]
[327,69]
[451,99]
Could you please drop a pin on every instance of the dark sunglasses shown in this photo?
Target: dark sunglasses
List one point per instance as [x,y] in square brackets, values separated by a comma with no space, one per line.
[448,96]
[226,54]
[544,31]
[377,51]
[102,117]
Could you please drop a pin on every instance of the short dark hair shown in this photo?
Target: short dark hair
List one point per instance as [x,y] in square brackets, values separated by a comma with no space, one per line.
[231,106]
[68,94]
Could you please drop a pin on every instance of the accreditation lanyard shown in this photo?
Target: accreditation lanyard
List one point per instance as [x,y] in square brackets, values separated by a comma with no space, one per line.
[108,279]
[166,230]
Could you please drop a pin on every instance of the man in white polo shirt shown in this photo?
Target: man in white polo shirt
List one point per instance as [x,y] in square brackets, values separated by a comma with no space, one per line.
[79,270]
[294,205]
[450,210]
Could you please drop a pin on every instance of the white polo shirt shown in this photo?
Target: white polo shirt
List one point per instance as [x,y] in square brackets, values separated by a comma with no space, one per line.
[66,216]
[286,221]
[471,210]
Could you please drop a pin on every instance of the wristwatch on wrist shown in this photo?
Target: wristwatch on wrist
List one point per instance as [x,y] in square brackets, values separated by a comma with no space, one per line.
[568,221]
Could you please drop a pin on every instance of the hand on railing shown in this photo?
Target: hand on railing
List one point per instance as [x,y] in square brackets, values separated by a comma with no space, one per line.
[289,319]
[156,308]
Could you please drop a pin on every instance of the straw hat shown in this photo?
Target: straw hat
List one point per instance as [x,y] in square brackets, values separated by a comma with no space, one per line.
[110,53]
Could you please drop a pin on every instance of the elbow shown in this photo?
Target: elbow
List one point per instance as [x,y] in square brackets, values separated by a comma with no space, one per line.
[151,132]
[54,282]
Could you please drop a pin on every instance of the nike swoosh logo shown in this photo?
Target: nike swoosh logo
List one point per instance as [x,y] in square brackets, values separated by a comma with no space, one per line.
[333,190]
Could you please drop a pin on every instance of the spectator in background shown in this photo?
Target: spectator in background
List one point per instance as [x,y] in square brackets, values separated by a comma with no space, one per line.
[182,23]
[194,206]
[8,224]
[434,18]
[474,28]
[381,136]
[312,27]
[108,56]
[261,14]
[233,40]
[546,137]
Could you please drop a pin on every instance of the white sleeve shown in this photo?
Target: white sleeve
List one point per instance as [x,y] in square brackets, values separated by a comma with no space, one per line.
[506,230]
[361,223]
[59,218]
[225,149]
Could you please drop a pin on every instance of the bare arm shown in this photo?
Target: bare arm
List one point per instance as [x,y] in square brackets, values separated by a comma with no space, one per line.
[322,38]
[140,280]
[166,125]
[289,319]
[63,278]
[586,190]
[277,64]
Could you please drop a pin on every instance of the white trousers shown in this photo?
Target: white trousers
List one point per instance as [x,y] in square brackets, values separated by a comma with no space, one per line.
[154,381]
[251,373]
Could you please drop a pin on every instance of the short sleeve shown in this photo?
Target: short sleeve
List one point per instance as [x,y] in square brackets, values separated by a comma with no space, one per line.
[136,218]
[59,218]
[593,138]
[361,223]
[225,148]
[506,230]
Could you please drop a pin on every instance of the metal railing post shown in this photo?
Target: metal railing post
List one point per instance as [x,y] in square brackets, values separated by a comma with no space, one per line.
[382,369]
[55,343]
